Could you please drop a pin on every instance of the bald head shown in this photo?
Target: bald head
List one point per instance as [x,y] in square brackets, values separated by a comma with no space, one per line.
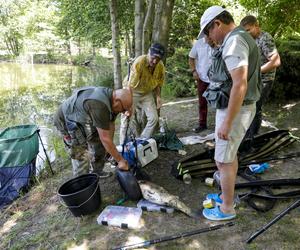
[122,100]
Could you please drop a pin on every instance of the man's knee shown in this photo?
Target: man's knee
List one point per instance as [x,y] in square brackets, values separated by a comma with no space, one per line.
[223,165]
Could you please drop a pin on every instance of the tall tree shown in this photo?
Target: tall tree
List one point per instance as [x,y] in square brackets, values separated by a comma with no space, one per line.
[148,25]
[162,21]
[11,29]
[115,43]
[278,17]
[139,17]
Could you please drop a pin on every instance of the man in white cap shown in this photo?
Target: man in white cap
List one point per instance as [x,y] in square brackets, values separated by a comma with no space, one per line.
[236,67]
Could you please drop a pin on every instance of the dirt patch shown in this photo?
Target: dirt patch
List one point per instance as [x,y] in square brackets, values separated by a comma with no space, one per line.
[38,220]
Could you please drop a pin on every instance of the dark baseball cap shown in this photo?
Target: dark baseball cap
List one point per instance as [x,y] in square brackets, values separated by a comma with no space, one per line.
[157,49]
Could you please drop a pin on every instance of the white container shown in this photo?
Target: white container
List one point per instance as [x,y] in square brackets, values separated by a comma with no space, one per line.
[152,207]
[118,216]
[146,150]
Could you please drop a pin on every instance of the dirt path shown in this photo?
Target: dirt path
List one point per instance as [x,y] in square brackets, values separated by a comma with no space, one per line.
[39,221]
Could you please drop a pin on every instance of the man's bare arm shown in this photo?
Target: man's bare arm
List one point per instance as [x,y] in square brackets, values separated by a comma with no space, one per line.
[105,137]
[192,63]
[273,63]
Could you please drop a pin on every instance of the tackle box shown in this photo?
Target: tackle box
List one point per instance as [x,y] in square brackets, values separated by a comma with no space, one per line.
[146,151]
[150,206]
[118,216]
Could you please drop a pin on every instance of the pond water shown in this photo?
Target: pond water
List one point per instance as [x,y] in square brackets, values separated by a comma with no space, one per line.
[31,93]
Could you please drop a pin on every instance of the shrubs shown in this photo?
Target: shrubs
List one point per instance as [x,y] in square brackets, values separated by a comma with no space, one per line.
[288,74]
[179,80]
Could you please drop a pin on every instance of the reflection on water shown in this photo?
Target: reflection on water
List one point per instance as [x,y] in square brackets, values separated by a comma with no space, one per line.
[31,93]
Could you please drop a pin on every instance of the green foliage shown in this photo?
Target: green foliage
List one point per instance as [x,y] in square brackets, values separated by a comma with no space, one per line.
[287,76]
[279,17]
[85,19]
[11,31]
[179,78]
[186,21]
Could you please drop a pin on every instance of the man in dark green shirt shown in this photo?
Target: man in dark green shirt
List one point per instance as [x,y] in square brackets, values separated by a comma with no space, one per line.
[86,120]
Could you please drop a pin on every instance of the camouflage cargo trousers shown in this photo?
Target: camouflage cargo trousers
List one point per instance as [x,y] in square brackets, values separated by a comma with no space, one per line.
[84,147]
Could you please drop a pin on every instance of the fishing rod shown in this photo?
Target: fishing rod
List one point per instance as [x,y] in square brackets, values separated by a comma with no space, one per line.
[47,158]
[272,183]
[173,237]
[277,218]
[209,168]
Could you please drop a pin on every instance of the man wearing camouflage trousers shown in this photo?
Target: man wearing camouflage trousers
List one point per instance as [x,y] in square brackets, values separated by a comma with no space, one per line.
[86,121]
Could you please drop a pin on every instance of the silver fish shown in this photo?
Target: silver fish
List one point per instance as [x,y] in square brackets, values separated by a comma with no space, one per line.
[159,195]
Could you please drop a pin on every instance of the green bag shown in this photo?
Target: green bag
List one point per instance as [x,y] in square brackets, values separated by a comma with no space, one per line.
[168,140]
[19,145]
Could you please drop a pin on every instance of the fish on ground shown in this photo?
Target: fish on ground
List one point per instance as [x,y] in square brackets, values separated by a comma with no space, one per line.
[161,196]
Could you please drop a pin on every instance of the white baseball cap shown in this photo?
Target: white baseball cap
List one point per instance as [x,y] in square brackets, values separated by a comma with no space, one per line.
[208,16]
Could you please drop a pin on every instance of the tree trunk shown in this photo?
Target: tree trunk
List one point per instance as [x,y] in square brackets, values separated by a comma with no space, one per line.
[139,15]
[147,28]
[115,44]
[128,44]
[162,22]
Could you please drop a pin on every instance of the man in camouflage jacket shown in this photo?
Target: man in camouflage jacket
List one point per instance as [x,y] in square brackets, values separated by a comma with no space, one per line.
[270,60]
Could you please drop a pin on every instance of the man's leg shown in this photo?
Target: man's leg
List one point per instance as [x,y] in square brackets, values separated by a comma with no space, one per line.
[226,160]
[135,120]
[202,107]
[256,123]
[78,153]
[79,159]
[202,86]
[150,110]
[228,173]
[96,151]
[123,127]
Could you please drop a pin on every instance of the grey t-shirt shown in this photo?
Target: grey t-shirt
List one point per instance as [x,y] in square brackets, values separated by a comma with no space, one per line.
[235,52]
[99,113]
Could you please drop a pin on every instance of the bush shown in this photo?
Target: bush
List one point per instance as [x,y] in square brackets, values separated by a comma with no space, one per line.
[179,80]
[286,82]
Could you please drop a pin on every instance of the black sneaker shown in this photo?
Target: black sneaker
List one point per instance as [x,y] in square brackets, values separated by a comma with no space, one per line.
[199,129]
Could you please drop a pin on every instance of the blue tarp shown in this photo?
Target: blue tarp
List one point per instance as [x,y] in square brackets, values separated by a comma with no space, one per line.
[12,180]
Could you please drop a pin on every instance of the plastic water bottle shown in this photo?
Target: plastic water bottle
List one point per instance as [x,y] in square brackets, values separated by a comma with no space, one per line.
[259,168]
[187,178]
[162,124]
[216,177]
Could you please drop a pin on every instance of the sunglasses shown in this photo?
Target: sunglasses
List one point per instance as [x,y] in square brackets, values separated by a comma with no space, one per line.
[209,26]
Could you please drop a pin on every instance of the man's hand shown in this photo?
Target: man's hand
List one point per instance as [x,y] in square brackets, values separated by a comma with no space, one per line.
[223,131]
[123,165]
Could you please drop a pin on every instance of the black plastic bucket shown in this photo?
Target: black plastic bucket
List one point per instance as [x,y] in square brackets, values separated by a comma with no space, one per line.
[81,194]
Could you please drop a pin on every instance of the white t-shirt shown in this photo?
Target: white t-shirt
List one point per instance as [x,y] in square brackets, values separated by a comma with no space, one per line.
[201,52]
[235,52]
